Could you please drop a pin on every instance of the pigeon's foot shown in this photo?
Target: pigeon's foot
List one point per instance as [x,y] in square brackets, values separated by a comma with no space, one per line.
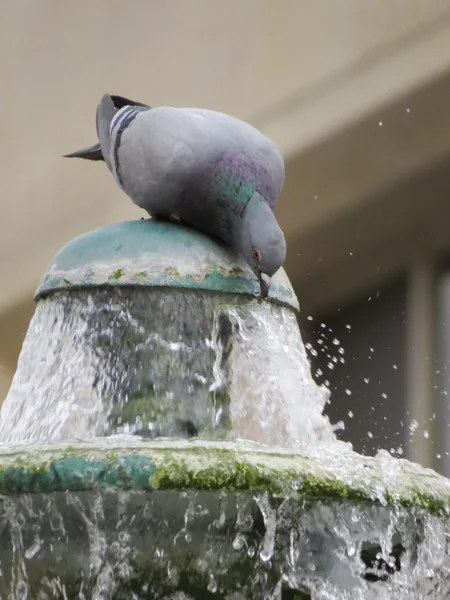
[160,217]
[167,217]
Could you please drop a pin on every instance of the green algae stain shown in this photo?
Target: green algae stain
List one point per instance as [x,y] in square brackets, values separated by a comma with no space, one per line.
[428,503]
[241,476]
[118,274]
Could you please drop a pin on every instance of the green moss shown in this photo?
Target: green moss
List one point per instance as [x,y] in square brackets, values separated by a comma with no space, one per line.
[235,475]
[429,503]
[141,274]
[118,274]
[112,457]
[67,281]
[21,464]
[239,476]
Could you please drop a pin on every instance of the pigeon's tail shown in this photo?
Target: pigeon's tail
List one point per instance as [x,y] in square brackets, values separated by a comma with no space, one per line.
[92,153]
[95,152]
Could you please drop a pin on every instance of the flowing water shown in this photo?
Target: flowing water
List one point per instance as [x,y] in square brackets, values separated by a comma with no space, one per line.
[133,545]
[163,362]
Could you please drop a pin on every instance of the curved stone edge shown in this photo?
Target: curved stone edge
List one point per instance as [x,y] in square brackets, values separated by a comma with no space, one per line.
[331,471]
[153,253]
[212,281]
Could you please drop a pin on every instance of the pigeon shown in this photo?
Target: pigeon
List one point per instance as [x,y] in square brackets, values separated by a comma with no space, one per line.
[212,171]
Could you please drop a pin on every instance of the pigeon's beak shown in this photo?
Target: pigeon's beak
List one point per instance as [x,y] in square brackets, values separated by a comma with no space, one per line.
[264,283]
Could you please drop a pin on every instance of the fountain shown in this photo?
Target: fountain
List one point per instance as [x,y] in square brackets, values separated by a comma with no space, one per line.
[163,439]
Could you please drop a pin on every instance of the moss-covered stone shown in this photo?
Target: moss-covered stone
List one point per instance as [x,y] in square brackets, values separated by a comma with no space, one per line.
[203,466]
[71,473]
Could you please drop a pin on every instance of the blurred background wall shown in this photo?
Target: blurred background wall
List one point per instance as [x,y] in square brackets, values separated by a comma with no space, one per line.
[357,95]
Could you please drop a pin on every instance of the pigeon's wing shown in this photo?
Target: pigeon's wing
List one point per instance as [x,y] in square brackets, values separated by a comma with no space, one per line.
[155,156]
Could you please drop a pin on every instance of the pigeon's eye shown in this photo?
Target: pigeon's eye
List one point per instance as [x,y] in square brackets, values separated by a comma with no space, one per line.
[256,254]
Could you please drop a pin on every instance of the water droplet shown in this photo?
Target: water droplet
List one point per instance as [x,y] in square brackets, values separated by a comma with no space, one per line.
[265,555]
[239,542]
[413,426]
[212,585]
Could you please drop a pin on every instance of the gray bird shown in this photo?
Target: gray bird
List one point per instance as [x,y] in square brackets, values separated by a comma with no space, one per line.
[210,170]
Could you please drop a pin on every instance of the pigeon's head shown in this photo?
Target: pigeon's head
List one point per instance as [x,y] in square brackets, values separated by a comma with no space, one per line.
[262,242]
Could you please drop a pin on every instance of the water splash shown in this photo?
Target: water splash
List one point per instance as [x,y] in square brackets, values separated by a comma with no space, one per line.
[163,363]
[275,396]
[324,550]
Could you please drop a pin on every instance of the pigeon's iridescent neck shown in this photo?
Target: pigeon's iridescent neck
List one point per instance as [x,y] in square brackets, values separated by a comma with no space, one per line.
[219,191]
[237,176]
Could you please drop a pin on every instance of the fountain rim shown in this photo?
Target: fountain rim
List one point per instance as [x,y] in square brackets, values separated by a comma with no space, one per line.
[213,466]
[153,253]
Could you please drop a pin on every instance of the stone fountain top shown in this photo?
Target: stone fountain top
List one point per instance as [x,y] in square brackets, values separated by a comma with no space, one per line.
[150,252]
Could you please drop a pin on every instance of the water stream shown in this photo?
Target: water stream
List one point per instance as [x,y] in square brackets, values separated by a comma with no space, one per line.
[168,362]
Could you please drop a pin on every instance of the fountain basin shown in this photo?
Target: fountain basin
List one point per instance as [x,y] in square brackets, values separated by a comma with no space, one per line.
[121,517]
